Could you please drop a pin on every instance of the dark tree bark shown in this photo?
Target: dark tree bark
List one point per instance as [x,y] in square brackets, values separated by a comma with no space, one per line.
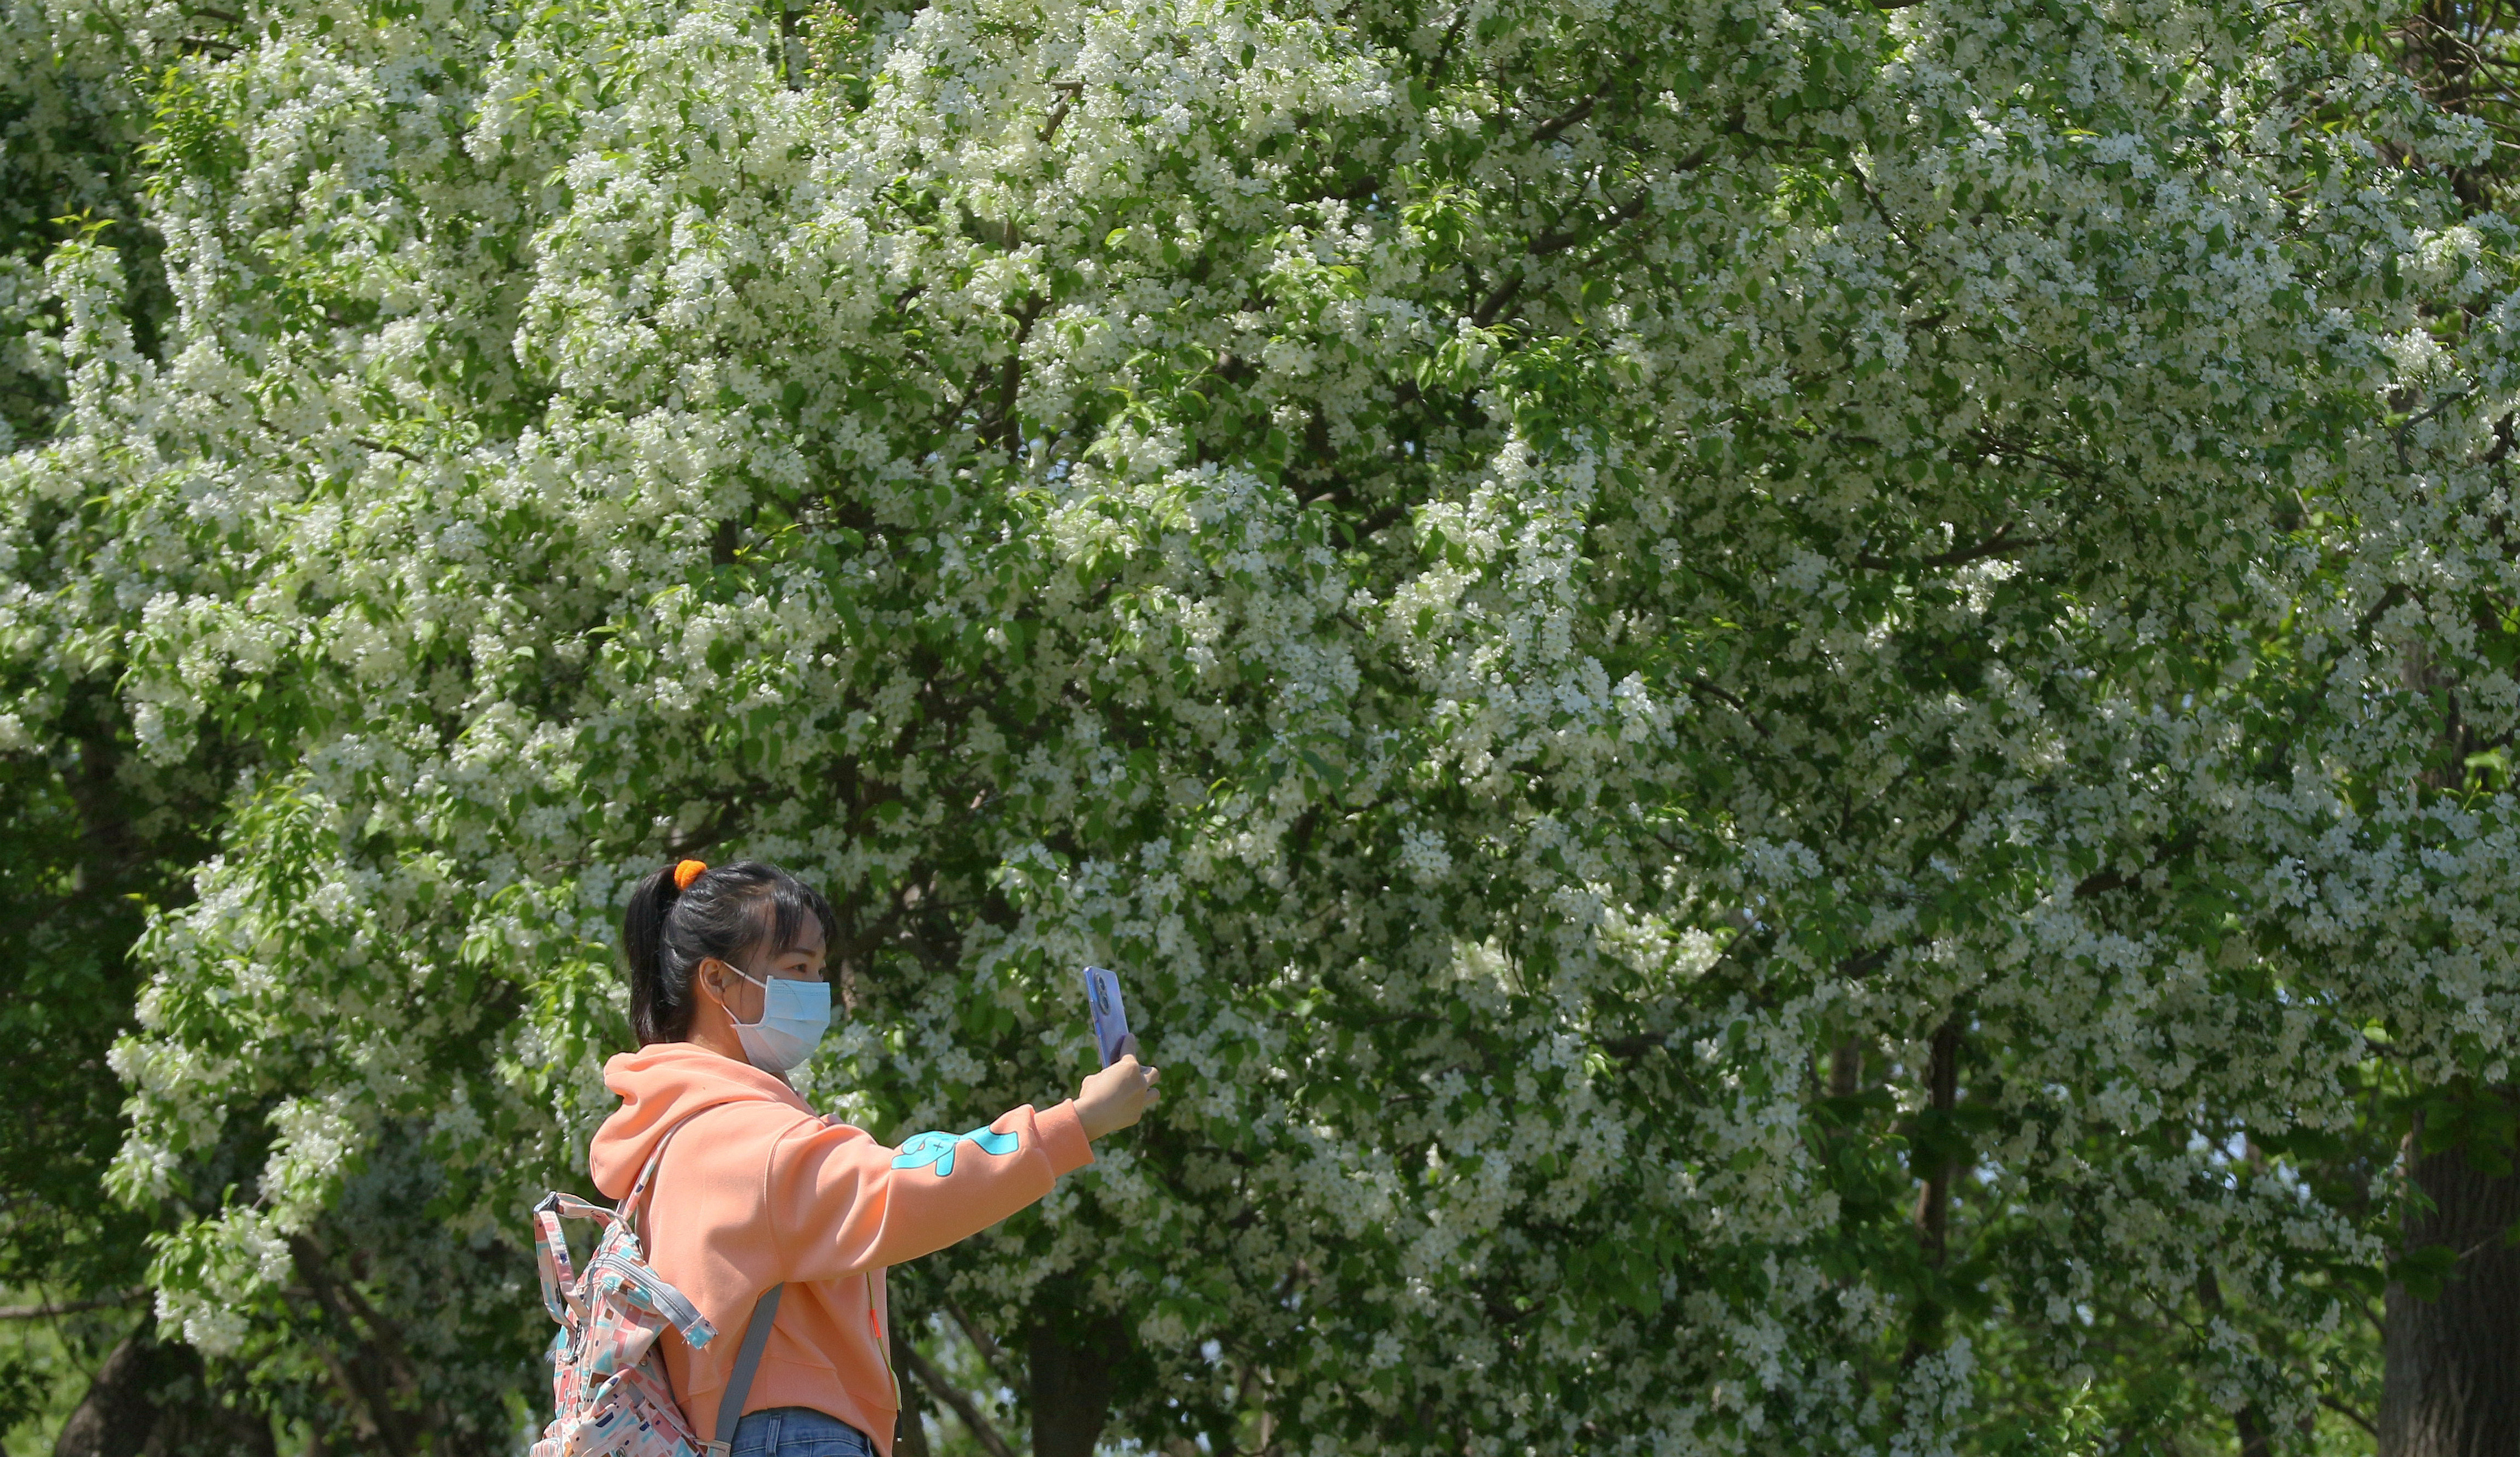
[1934,1200]
[2250,1420]
[153,1399]
[910,1429]
[1846,1068]
[2451,1381]
[1071,1384]
[116,1416]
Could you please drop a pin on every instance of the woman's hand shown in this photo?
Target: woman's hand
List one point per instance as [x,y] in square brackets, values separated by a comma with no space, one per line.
[1118,1095]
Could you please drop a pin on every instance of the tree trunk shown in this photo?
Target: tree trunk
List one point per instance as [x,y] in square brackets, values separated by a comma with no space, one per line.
[1071,1384]
[2250,1421]
[153,1399]
[2450,1382]
[116,1416]
[1934,1198]
[372,1368]
[910,1427]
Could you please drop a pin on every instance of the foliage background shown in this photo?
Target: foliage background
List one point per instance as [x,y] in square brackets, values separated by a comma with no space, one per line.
[1796,717]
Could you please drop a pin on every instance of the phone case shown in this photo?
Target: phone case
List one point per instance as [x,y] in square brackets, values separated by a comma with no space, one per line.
[1110,1017]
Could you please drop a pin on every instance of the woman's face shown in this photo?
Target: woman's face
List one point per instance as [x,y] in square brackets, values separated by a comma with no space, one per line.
[742,997]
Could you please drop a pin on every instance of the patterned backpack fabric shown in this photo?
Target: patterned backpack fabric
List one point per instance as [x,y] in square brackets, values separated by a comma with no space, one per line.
[609,1396]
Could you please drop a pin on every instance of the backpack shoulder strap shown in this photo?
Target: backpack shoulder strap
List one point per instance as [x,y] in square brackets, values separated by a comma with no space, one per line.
[748,1360]
[627,1211]
[756,1330]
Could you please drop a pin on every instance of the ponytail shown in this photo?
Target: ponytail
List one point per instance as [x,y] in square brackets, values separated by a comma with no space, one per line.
[680,916]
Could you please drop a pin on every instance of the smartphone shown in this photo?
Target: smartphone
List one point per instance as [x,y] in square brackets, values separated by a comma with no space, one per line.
[1110,1019]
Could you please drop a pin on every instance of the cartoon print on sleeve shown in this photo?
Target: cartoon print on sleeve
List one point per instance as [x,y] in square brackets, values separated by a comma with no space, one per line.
[922,1149]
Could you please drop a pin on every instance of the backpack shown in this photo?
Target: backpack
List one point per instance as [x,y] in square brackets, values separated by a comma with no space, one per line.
[609,1394]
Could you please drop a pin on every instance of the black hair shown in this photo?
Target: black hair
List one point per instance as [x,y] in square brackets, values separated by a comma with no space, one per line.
[729,912]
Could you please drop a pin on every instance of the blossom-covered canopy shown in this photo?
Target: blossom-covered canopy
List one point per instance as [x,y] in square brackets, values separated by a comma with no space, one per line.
[1770,703]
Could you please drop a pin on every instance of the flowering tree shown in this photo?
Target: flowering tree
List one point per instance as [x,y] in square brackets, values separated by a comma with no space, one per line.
[1794,719]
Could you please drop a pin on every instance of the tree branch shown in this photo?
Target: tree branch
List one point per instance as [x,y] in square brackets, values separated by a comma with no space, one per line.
[1059,113]
[2103,881]
[1558,240]
[998,419]
[2348,1413]
[1998,545]
[1452,38]
[988,1348]
[946,1391]
[2407,426]
[1494,304]
[1881,210]
[379,1368]
[381,447]
[1729,701]
[70,1307]
[1548,129]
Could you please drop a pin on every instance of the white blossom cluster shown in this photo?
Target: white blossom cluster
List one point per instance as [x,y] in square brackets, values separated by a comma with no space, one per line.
[1545,578]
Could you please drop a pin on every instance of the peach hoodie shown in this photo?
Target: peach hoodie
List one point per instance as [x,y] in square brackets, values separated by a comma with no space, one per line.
[757,1190]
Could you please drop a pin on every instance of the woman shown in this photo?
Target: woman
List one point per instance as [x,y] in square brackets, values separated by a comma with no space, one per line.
[727,993]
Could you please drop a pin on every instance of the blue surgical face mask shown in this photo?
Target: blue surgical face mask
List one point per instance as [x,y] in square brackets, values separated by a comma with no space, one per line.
[794,1014]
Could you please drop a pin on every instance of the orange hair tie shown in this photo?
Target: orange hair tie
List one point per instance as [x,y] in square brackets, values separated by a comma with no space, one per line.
[688,872]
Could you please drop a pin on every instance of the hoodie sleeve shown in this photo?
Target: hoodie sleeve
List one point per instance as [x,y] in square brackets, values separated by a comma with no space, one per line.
[840,1203]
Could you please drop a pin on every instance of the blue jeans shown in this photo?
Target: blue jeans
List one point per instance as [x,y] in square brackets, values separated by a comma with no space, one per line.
[798,1431]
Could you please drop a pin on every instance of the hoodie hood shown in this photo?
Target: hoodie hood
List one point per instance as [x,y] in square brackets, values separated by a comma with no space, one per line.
[660,1085]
